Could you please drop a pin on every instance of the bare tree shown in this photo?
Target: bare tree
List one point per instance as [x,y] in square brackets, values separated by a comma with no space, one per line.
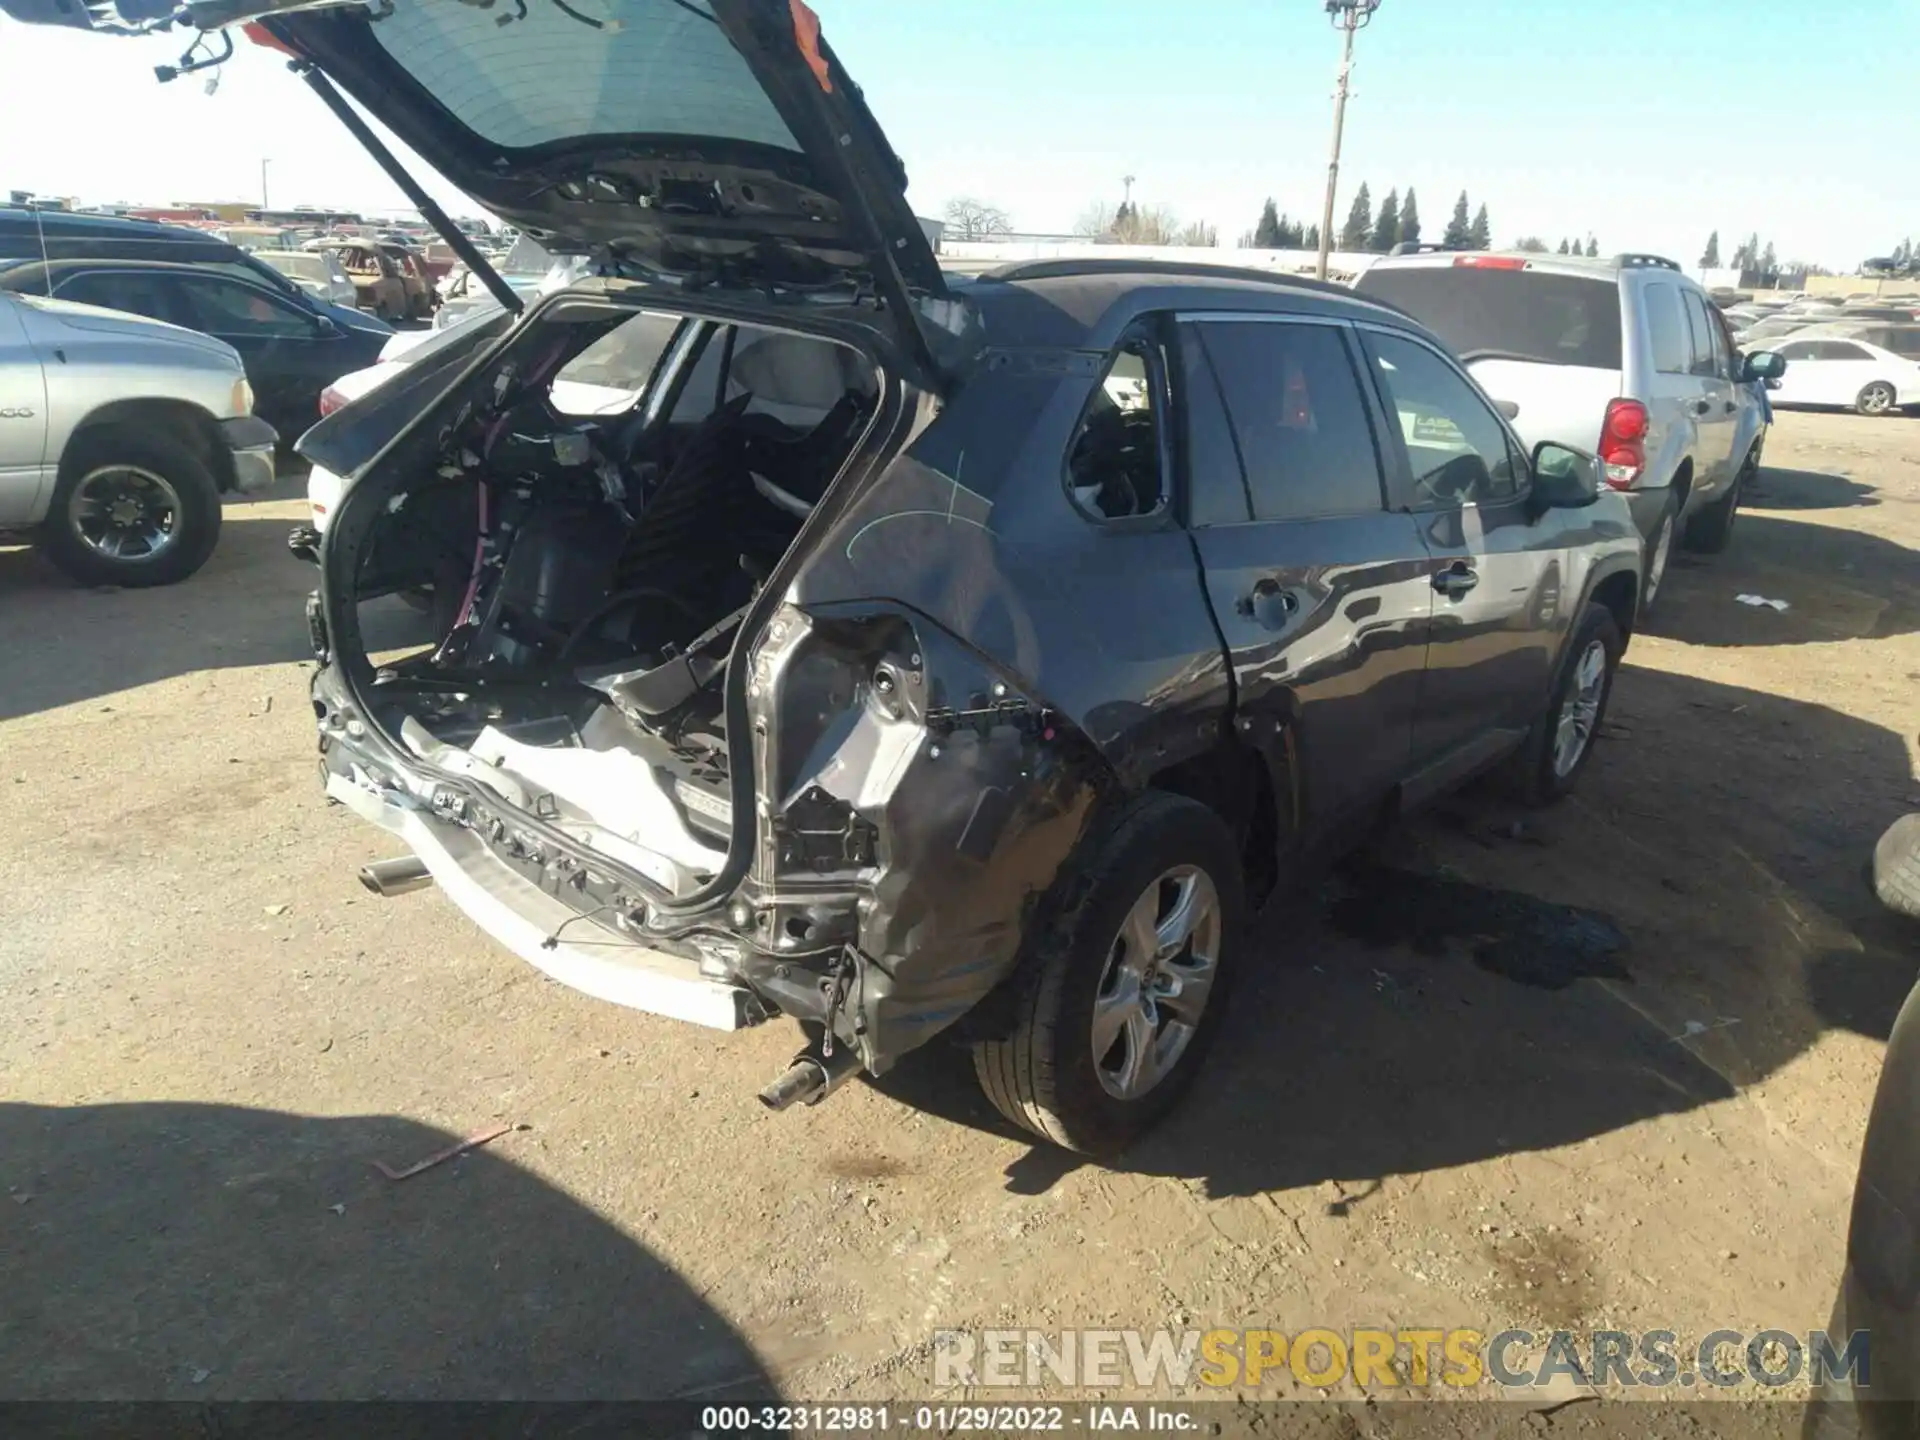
[1199,233]
[971,219]
[1096,222]
[1129,224]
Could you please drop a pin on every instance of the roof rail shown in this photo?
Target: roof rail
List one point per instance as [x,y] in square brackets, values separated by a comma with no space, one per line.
[1418,247]
[1632,260]
[1182,269]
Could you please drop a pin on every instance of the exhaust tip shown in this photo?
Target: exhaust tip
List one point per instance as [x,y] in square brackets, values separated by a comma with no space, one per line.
[809,1080]
[396,877]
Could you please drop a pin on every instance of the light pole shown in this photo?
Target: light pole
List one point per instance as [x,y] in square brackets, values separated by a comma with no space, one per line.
[265,204]
[1347,16]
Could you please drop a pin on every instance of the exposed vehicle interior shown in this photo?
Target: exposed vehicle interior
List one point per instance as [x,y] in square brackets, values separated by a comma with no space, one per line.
[591,539]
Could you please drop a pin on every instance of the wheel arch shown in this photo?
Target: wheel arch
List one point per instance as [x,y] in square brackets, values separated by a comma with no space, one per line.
[181,421]
[1682,484]
[1618,589]
[1256,797]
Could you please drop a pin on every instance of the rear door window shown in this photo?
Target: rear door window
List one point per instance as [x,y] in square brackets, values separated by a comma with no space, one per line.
[1113,464]
[1839,350]
[1700,333]
[1529,315]
[1667,330]
[136,292]
[1299,420]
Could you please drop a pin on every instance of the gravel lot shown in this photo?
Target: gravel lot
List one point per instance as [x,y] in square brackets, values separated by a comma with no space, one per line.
[1439,1102]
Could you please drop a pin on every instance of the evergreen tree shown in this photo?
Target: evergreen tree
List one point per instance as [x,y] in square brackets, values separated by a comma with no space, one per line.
[1359,227]
[1386,230]
[1710,257]
[1267,235]
[1409,220]
[1593,248]
[1293,235]
[1311,239]
[1480,233]
[1458,230]
[1564,247]
[1769,262]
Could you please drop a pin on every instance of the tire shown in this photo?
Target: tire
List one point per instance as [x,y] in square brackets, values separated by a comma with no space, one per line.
[1044,1075]
[1542,777]
[155,464]
[1659,554]
[1878,398]
[1896,867]
[1711,530]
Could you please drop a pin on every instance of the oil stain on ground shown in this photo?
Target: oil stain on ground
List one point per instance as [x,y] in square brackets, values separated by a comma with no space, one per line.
[1509,934]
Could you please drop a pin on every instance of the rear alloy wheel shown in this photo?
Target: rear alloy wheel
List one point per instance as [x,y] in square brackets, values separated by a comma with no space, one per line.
[1122,978]
[131,508]
[1659,552]
[1561,741]
[1710,531]
[1879,398]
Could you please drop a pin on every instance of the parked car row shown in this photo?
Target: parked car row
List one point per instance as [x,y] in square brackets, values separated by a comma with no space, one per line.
[114,444]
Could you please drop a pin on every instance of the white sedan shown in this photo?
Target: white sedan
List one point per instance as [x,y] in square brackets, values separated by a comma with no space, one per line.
[1852,373]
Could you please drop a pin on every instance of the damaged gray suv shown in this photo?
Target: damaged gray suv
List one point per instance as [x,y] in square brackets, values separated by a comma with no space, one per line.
[893,653]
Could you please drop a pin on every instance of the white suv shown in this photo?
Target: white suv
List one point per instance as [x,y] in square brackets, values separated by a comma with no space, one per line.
[1627,357]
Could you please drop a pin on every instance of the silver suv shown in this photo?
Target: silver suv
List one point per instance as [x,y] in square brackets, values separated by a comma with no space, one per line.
[1627,357]
[118,435]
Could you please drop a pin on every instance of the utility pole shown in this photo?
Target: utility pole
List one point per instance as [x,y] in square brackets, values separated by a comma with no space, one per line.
[1127,182]
[265,204]
[1347,16]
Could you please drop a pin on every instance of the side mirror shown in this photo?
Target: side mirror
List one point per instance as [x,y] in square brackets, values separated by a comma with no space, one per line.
[1763,365]
[1563,478]
[325,326]
[1507,408]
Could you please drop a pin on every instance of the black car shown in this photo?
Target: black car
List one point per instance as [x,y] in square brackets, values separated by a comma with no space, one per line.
[892,653]
[28,234]
[291,353]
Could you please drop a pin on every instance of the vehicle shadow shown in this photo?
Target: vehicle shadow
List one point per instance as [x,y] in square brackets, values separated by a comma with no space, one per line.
[211,1252]
[1838,584]
[247,606]
[1775,488]
[1489,981]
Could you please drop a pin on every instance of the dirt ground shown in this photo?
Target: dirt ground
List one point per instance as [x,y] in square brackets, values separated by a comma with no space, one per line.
[1439,1101]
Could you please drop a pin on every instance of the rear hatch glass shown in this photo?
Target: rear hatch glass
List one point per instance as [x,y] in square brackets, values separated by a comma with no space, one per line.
[1508,314]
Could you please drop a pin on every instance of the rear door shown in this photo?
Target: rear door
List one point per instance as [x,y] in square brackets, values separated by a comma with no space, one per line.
[23,419]
[1495,572]
[1320,591]
[1675,396]
[1716,408]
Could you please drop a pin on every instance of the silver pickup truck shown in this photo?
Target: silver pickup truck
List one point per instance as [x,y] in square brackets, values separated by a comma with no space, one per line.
[118,436]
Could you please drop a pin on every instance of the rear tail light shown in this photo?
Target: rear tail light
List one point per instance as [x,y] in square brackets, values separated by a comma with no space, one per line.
[330,401]
[1490,262]
[1623,442]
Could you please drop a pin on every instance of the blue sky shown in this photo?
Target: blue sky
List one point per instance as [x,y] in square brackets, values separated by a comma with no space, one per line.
[1641,122]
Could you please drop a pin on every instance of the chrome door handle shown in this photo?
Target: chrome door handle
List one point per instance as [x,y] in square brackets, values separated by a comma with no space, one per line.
[1457,579]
